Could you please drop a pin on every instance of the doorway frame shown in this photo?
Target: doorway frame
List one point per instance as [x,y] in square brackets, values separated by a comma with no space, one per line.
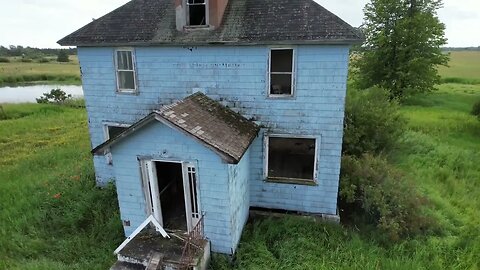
[151,191]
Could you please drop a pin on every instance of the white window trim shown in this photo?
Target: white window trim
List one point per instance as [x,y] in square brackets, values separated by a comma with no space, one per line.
[187,15]
[294,72]
[106,136]
[134,64]
[290,136]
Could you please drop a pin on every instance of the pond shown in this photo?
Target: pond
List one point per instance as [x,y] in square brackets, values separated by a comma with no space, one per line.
[28,94]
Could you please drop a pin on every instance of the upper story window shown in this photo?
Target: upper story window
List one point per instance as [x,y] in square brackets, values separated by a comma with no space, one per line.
[290,159]
[197,13]
[282,71]
[125,66]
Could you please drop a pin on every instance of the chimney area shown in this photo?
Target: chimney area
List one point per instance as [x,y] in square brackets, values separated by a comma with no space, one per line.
[212,18]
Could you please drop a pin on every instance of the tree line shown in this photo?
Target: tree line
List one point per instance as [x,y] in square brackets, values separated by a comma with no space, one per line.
[32,52]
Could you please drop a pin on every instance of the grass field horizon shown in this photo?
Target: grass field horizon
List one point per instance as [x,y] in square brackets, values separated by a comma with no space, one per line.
[17,72]
[53,216]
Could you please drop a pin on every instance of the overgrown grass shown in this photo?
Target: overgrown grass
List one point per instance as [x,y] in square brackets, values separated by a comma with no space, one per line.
[17,72]
[52,215]
[441,153]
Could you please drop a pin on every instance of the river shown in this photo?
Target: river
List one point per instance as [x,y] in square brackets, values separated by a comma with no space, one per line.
[28,94]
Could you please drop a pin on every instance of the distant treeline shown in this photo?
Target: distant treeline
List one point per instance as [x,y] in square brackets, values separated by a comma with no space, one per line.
[32,53]
[461,49]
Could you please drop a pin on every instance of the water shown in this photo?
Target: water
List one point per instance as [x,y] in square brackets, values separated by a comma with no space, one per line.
[28,94]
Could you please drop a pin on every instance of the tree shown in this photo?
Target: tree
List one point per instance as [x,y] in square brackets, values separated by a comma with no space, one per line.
[402,49]
[63,56]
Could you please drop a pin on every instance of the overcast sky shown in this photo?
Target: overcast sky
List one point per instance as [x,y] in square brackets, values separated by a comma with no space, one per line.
[40,23]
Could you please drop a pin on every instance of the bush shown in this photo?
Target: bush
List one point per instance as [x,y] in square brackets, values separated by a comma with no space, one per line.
[26,60]
[63,56]
[372,122]
[373,189]
[476,109]
[43,60]
[4,60]
[56,96]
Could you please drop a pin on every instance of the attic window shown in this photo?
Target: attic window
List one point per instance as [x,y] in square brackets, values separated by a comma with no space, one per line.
[197,13]
[290,158]
[281,72]
[125,66]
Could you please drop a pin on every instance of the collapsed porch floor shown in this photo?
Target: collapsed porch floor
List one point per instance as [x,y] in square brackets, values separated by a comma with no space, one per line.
[138,252]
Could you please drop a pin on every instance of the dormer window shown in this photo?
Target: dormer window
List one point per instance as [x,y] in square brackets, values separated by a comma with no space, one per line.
[197,13]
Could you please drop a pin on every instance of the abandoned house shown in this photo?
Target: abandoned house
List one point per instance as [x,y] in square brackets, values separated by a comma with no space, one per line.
[200,110]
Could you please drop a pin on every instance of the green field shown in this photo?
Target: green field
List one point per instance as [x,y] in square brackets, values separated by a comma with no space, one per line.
[53,217]
[17,72]
[464,67]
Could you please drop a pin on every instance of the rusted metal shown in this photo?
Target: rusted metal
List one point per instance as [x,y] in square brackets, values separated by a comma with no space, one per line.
[193,244]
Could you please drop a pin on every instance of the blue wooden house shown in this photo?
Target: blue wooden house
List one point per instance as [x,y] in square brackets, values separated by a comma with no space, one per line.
[200,110]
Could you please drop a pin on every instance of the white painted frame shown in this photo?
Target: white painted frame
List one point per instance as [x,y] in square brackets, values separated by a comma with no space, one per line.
[294,71]
[106,135]
[134,65]
[291,136]
[187,14]
[150,184]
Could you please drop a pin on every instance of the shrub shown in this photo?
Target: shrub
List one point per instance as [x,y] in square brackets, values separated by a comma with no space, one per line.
[56,96]
[372,122]
[4,60]
[26,60]
[373,189]
[43,60]
[63,56]
[476,109]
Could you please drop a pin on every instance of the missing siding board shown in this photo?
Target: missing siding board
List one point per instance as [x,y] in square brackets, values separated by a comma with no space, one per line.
[281,72]
[291,158]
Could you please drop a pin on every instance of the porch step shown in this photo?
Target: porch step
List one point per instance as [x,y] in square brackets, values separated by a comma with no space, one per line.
[155,261]
[127,266]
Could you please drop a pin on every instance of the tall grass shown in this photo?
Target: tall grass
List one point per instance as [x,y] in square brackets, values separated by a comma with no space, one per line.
[441,152]
[52,214]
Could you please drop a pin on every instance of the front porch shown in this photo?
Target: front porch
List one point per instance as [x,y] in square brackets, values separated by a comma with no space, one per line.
[150,249]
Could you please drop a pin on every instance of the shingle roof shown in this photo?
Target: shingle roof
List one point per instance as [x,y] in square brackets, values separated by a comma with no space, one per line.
[149,22]
[219,128]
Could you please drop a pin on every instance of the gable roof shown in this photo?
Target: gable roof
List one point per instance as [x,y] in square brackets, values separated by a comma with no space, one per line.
[153,22]
[217,127]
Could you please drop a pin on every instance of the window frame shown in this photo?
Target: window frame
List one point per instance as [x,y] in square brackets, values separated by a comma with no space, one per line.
[106,136]
[187,15]
[293,73]
[117,71]
[286,180]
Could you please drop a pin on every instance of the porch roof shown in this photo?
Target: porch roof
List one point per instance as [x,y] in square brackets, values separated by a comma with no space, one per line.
[219,128]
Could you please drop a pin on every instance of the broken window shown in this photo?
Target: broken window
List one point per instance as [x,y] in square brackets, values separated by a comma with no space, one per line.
[197,12]
[112,130]
[126,81]
[291,158]
[281,72]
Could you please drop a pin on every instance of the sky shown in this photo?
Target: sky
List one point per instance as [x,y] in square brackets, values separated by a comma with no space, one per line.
[40,23]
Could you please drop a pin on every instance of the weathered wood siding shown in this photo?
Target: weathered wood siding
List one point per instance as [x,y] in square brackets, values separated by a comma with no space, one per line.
[236,76]
[158,141]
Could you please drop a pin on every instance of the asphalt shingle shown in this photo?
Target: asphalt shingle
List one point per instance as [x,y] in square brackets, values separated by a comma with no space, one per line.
[150,22]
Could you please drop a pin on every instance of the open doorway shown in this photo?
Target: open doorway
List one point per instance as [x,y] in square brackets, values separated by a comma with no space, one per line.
[172,198]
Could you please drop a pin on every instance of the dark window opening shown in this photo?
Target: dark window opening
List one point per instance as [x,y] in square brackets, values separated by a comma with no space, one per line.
[114,131]
[281,72]
[291,158]
[172,200]
[197,12]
